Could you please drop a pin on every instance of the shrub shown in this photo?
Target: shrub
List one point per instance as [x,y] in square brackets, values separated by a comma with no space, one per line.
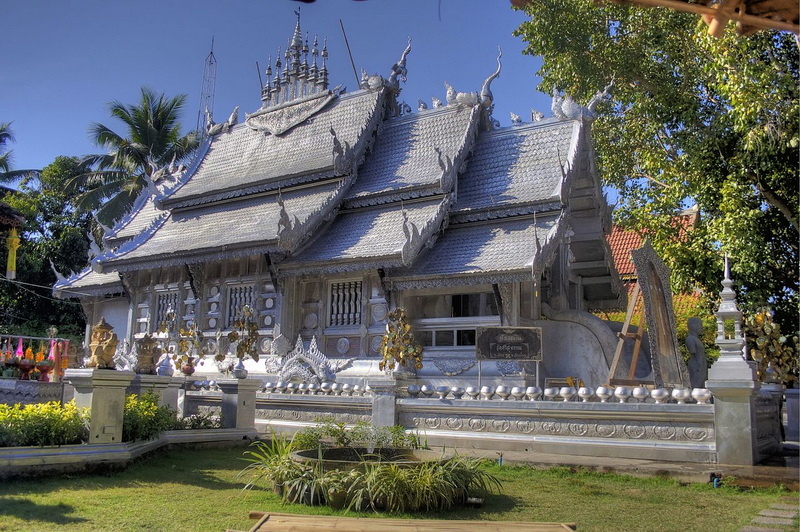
[42,424]
[143,418]
[197,422]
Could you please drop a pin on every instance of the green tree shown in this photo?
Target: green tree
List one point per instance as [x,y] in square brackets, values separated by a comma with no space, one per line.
[53,230]
[693,120]
[7,173]
[111,182]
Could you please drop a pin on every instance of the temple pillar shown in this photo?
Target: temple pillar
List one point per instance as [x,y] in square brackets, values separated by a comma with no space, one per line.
[102,391]
[239,402]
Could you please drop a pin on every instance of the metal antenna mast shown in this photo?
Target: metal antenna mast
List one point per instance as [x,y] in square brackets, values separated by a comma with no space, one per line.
[207,91]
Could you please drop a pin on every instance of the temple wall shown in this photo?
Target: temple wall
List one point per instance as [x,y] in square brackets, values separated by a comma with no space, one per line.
[676,432]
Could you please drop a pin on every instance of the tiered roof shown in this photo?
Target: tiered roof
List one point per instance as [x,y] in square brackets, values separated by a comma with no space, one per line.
[327,182]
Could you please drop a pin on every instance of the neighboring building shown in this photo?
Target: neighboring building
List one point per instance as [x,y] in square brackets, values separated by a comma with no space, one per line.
[324,210]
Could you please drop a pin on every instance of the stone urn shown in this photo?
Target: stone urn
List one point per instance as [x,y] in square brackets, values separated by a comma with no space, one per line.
[239,370]
[187,366]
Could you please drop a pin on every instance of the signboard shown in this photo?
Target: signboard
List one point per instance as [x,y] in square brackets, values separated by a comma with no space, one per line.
[508,343]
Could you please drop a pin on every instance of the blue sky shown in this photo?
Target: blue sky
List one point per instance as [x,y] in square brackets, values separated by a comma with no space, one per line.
[65,60]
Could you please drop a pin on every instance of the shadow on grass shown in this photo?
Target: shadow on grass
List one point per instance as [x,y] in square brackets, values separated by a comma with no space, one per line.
[27,510]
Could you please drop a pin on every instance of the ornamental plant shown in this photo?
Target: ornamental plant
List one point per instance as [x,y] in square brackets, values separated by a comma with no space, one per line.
[769,347]
[245,333]
[397,345]
[143,418]
[42,424]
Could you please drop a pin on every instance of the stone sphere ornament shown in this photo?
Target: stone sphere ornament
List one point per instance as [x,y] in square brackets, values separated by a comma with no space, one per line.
[518,393]
[503,392]
[641,393]
[336,388]
[585,393]
[623,393]
[681,395]
[325,388]
[701,395]
[659,395]
[427,390]
[442,391]
[292,388]
[413,390]
[269,387]
[487,392]
[567,393]
[533,393]
[457,391]
[313,388]
[347,389]
[357,390]
[472,392]
[280,387]
[302,388]
[604,393]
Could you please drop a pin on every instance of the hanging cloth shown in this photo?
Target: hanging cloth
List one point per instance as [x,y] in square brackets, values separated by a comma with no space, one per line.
[12,243]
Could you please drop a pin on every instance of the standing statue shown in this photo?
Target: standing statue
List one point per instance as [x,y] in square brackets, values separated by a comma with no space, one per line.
[103,346]
[698,368]
[147,355]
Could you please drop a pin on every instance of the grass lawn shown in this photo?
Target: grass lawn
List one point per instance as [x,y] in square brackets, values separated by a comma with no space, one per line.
[198,490]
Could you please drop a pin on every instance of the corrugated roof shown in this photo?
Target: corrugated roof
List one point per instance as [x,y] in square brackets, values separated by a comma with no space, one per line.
[516,165]
[405,156]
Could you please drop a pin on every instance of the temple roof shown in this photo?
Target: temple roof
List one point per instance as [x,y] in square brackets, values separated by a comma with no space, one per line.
[371,238]
[405,161]
[482,253]
[245,161]
[236,228]
[89,283]
[525,164]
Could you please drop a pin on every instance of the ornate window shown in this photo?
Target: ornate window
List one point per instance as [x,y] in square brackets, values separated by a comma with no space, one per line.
[345,303]
[164,302]
[239,296]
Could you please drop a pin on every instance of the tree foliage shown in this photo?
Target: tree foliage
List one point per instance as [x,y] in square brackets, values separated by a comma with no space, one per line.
[110,183]
[7,173]
[53,230]
[693,121]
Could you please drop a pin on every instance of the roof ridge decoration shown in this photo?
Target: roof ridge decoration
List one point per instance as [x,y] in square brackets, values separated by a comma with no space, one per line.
[414,241]
[411,231]
[343,156]
[565,108]
[459,98]
[486,98]
[215,129]
[448,178]
[392,84]
[98,263]
[297,92]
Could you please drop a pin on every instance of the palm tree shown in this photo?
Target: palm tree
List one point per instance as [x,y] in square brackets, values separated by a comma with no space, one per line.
[111,182]
[6,173]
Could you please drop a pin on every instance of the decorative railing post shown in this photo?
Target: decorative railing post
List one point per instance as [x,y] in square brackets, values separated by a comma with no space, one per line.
[103,392]
[384,402]
[239,402]
[733,382]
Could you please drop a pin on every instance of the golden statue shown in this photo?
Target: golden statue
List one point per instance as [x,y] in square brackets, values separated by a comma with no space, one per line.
[102,346]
